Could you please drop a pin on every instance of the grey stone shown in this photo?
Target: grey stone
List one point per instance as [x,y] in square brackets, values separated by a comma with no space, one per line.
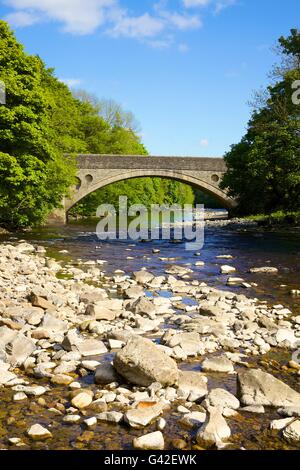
[20,349]
[142,363]
[139,418]
[91,347]
[221,398]
[215,429]
[260,388]
[192,385]
[218,364]
[106,374]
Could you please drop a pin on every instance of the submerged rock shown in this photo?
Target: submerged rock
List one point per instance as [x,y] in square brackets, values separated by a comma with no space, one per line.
[218,364]
[106,374]
[38,433]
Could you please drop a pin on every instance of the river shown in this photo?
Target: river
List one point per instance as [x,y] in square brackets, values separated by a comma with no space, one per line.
[249,247]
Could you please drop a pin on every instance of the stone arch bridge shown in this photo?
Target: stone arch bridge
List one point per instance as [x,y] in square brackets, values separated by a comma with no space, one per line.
[97,171]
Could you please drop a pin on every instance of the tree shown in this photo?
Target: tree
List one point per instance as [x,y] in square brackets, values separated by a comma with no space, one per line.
[264,168]
[120,138]
[33,174]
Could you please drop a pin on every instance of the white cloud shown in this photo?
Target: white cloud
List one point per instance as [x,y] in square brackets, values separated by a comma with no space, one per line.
[183,48]
[77,16]
[71,82]
[82,17]
[204,142]
[183,22]
[223,4]
[195,3]
[21,19]
[144,26]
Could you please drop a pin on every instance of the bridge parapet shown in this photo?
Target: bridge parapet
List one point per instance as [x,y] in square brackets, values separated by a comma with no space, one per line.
[97,171]
[150,163]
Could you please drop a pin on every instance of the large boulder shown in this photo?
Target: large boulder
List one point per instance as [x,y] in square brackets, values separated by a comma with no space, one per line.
[256,387]
[141,362]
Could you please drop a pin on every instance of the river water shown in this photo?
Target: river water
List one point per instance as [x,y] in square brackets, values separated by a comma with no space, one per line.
[250,247]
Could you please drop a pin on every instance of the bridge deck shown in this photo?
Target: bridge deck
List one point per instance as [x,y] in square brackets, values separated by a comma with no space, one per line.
[95,162]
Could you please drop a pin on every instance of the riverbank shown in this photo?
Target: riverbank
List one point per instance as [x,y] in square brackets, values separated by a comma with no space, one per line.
[280,218]
[91,360]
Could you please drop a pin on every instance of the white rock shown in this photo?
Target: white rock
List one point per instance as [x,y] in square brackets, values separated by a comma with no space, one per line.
[194,418]
[20,396]
[218,364]
[90,422]
[82,400]
[38,433]
[292,432]
[138,418]
[227,269]
[152,441]
[110,417]
[218,397]
[215,429]
[278,424]
[71,419]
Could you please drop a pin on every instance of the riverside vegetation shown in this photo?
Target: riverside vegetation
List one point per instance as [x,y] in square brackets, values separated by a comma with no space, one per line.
[99,361]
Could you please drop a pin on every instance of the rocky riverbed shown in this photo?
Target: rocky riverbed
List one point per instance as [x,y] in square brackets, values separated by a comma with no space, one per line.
[90,360]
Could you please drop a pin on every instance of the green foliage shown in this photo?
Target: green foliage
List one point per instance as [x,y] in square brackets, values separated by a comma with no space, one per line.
[277,218]
[120,139]
[33,173]
[264,168]
[209,201]
[43,121]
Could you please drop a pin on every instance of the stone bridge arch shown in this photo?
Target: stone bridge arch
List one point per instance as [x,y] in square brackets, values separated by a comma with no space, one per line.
[97,171]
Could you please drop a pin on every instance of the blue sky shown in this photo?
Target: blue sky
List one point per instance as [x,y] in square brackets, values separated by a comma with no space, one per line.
[185,68]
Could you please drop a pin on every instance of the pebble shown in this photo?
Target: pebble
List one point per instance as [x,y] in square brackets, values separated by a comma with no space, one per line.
[38,433]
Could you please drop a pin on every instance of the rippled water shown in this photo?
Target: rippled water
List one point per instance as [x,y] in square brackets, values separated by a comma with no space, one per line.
[249,247]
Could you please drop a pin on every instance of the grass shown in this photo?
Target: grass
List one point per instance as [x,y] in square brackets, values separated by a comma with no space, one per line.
[277,218]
